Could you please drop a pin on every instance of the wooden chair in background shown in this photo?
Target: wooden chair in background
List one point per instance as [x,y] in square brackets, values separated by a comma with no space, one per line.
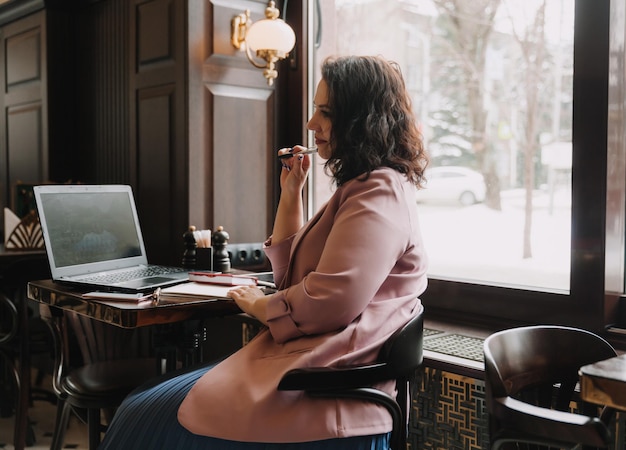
[96,366]
[531,377]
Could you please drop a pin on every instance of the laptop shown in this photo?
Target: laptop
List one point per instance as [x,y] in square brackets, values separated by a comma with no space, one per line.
[93,239]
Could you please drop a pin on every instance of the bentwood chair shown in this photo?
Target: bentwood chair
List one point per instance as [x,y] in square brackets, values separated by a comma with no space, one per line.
[531,377]
[24,344]
[398,360]
[97,365]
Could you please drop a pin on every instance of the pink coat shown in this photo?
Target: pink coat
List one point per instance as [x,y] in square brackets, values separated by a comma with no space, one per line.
[348,280]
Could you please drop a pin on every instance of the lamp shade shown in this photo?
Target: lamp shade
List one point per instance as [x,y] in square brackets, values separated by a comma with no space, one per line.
[270,34]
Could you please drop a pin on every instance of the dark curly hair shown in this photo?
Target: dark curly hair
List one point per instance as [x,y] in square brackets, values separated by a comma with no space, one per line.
[373,124]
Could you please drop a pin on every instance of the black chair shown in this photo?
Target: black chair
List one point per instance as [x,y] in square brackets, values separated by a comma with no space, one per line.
[531,377]
[24,344]
[94,375]
[398,360]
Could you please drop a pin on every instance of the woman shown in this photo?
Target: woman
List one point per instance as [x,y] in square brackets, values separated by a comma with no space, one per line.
[346,281]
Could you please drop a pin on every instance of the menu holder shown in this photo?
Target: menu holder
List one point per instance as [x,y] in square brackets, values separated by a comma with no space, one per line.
[22,234]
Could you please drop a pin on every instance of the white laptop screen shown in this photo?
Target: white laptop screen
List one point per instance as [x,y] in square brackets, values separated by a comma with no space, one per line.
[90,227]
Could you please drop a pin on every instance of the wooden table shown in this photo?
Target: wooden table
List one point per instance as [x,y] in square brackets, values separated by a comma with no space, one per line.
[604,382]
[172,324]
[126,314]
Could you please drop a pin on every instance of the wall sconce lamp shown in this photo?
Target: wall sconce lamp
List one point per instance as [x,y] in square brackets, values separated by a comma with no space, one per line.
[270,38]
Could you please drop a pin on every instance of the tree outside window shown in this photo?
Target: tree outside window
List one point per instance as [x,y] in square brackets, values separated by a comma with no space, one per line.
[491,83]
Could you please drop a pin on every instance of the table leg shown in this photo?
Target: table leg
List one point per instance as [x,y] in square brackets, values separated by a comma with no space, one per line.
[180,342]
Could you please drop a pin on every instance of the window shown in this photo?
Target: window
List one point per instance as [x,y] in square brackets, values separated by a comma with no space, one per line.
[514,95]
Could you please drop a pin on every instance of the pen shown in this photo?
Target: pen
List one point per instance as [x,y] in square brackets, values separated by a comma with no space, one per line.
[307,151]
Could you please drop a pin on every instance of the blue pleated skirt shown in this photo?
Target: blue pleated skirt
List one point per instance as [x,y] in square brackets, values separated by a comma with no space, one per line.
[147,420]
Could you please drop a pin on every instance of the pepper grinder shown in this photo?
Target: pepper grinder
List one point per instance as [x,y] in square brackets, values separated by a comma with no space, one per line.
[189,255]
[219,240]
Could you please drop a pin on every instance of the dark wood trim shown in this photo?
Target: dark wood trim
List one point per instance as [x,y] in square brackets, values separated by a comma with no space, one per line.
[291,111]
[16,9]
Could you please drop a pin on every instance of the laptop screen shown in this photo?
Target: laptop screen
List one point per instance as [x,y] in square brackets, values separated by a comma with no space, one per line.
[90,228]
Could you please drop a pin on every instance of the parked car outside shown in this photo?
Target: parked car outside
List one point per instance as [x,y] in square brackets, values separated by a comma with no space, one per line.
[452,184]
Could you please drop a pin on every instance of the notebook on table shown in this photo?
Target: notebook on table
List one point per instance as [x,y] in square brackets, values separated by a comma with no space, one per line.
[93,239]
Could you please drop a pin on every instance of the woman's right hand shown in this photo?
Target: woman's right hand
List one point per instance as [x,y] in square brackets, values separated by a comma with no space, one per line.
[289,215]
[295,170]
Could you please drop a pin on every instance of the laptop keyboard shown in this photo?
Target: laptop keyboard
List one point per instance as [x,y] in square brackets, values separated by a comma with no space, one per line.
[127,275]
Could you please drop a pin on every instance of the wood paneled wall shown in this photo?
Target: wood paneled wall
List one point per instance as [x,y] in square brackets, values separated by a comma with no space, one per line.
[152,94]
[237,122]
[101,75]
[158,146]
[24,107]
[232,128]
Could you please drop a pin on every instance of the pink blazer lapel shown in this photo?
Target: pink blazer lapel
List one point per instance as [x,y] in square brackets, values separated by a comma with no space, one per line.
[296,243]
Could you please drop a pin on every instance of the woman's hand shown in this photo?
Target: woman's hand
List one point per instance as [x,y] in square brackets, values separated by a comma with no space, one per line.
[290,212]
[295,169]
[250,300]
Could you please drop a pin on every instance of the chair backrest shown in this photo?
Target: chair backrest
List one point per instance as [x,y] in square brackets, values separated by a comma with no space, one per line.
[521,357]
[398,359]
[80,340]
[403,351]
[538,365]
[13,284]
[99,341]
[9,320]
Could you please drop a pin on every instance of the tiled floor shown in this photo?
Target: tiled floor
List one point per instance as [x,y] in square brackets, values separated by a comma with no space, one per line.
[42,415]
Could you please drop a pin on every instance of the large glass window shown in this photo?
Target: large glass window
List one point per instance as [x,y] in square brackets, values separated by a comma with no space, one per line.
[522,110]
[491,83]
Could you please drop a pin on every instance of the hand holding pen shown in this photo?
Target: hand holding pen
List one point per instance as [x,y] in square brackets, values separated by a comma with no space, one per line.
[291,153]
[294,151]
[295,170]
